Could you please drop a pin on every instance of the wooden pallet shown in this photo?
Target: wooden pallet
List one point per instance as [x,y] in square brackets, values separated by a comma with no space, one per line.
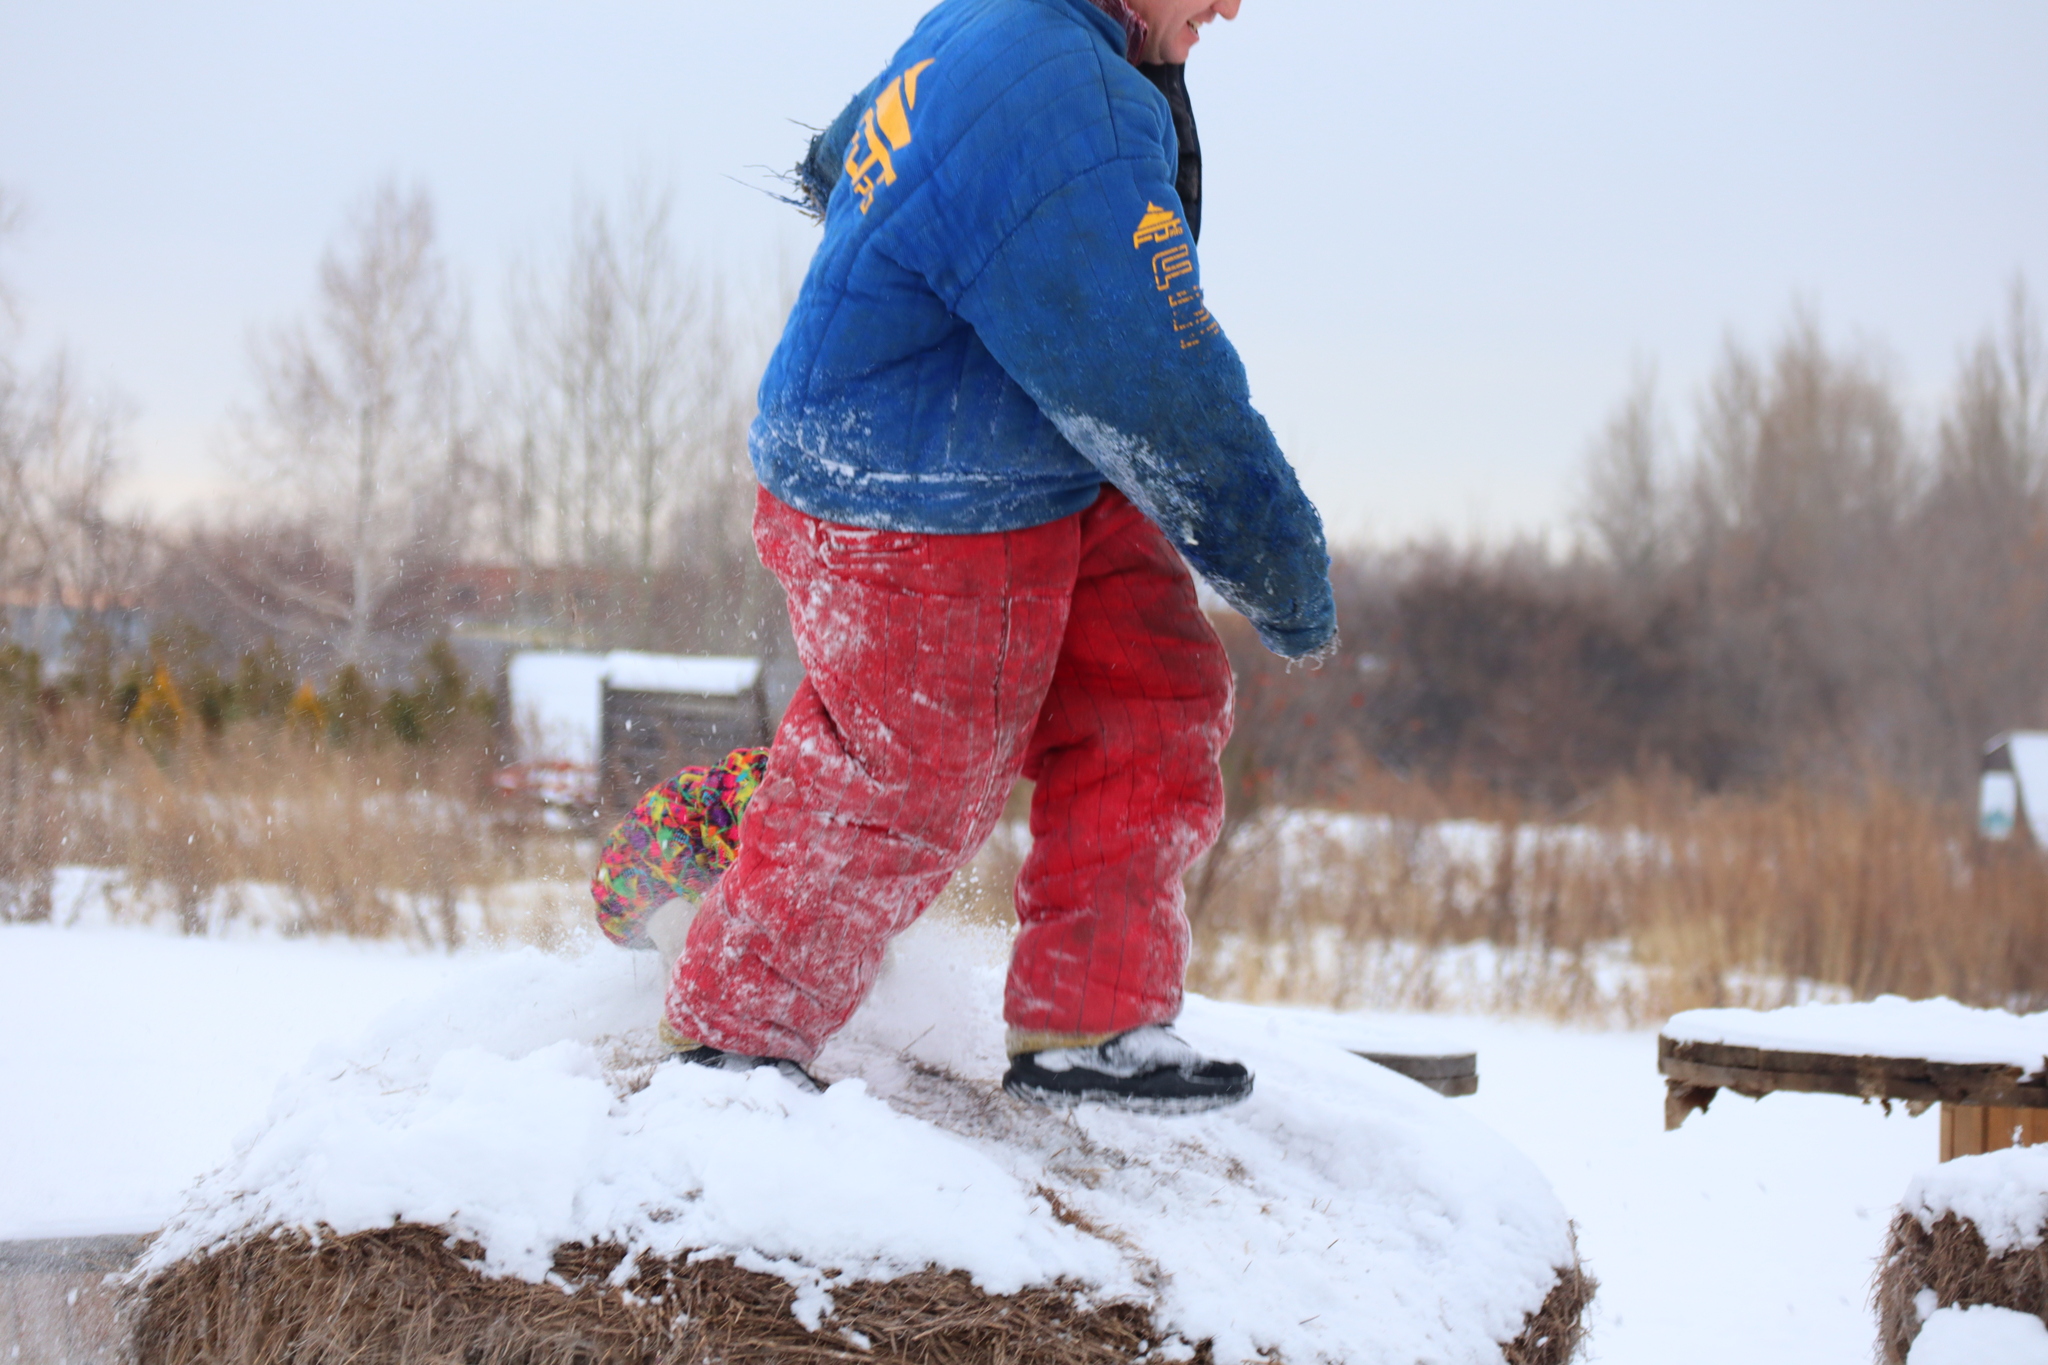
[1976,1098]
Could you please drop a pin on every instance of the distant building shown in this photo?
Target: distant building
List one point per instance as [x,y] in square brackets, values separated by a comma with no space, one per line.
[599,729]
[490,613]
[2012,793]
[54,628]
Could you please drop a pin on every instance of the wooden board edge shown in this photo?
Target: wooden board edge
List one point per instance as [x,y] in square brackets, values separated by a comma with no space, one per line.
[1973,1085]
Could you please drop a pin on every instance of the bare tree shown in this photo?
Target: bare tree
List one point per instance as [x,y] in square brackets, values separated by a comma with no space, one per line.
[628,448]
[1979,551]
[1994,439]
[1840,593]
[362,423]
[1625,495]
[10,221]
[59,455]
[1799,453]
[60,546]
[16,425]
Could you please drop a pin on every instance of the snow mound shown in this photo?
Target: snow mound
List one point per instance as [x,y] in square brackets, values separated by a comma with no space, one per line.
[1889,1026]
[1980,1336]
[1343,1214]
[2003,1193]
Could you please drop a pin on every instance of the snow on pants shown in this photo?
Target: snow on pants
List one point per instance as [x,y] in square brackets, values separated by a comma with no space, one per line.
[939,668]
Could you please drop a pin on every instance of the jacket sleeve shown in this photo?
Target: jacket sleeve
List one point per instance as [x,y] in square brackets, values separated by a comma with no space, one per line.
[1094,305]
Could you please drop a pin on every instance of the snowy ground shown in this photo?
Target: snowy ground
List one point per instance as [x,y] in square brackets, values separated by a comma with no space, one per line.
[1752,1231]
[130,1060]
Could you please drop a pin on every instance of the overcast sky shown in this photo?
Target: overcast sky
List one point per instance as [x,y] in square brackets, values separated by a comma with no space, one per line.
[1440,231]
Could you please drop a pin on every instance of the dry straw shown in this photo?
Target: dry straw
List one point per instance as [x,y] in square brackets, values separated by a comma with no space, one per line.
[405,1296]
[1950,1259]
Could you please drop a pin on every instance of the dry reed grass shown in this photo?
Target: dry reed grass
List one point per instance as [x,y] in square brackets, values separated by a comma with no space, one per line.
[1874,891]
[267,824]
[405,1296]
[1951,1260]
[1655,900]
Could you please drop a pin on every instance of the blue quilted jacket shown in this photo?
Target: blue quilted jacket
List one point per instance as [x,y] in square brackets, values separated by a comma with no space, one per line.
[1006,311]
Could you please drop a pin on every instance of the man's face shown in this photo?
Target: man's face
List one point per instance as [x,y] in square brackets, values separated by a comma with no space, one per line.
[1177,25]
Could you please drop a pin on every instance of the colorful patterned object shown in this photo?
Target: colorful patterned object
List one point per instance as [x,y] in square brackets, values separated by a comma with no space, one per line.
[677,842]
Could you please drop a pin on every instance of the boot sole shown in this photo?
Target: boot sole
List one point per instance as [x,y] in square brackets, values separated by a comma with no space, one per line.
[1164,1106]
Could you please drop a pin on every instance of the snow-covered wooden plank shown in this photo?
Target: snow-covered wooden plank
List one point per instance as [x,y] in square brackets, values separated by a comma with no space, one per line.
[1921,1052]
[1694,1072]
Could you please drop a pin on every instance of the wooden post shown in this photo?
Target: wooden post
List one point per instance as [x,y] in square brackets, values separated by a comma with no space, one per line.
[1973,1129]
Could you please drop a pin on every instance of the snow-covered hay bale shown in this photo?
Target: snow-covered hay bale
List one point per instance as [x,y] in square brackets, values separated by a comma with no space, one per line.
[506,1173]
[404,1294]
[1971,1232]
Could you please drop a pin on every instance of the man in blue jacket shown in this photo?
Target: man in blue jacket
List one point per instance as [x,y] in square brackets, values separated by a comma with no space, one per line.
[999,420]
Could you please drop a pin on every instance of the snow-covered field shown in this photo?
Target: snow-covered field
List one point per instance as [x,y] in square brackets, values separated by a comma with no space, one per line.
[130,1061]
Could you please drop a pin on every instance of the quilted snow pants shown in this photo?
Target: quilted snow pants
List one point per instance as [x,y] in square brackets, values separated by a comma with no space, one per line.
[939,668]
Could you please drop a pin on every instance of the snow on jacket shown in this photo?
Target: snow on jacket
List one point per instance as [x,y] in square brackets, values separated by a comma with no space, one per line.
[1006,311]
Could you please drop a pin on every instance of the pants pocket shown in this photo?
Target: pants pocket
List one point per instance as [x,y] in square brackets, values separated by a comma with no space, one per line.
[857,548]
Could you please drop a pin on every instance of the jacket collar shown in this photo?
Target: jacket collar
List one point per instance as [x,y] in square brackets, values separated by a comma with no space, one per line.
[1135,28]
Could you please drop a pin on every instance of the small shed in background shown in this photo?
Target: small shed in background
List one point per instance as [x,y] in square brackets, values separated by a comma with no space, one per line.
[2012,793]
[594,729]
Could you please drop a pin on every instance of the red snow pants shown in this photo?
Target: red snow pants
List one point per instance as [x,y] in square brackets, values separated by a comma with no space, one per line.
[939,668]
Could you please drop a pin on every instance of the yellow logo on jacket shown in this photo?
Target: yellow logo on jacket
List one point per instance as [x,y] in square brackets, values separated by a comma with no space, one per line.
[1158,225]
[1191,321]
[884,130]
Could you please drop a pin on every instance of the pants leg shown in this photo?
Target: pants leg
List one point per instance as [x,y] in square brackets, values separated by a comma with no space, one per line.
[928,658]
[1129,794]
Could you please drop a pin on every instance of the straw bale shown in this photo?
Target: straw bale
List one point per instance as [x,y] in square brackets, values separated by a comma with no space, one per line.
[405,1296]
[1952,1260]
[1553,1333]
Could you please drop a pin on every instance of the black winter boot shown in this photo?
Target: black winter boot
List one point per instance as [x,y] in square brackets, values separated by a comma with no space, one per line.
[1149,1070]
[721,1060]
